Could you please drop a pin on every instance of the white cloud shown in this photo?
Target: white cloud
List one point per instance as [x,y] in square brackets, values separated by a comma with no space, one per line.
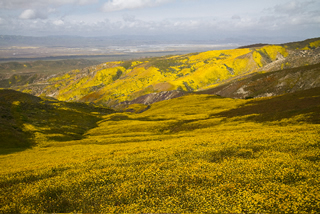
[28,14]
[292,14]
[85,2]
[129,18]
[32,14]
[58,22]
[288,7]
[198,17]
[293,7]
[14,4]
[116,5]
[52,10]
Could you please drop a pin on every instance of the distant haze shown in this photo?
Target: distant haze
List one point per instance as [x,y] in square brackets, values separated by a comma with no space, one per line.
[271,21]
[14,48]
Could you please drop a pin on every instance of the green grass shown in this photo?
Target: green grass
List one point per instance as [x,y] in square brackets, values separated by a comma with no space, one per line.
[193,154]
[27,121]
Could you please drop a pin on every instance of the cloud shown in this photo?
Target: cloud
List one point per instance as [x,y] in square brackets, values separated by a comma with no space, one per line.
[52,10]
[117,5]
[14,4]
[236,17]
[293,14]
[129,18]
[28,14]
[58,22]
[293,7]
[85,2]
[32,14]
[39,17]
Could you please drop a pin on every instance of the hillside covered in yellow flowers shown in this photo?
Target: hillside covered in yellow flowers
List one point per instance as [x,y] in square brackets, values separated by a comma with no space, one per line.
[115,82]
[176,140]
[193,154]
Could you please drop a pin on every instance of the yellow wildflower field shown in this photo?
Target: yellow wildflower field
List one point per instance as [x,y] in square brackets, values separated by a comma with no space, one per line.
[193,154]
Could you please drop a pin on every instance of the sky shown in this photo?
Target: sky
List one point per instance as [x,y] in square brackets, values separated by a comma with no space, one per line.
[200,19]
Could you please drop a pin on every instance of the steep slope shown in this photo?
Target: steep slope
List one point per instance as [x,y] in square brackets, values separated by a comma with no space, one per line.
[116,82]
[266,84]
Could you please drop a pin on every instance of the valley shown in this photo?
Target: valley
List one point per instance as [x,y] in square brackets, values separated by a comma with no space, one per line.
[221,131]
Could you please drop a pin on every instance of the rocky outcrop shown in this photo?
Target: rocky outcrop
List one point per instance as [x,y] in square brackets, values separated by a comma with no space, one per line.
[155,97]
[296,58]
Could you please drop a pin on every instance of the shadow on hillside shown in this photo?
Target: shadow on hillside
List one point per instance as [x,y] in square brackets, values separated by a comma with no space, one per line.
[281,107]
[7,151]
[13,138]
[26,120]
[119,117]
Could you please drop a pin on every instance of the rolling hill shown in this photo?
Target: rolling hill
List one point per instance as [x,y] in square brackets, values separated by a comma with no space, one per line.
[123,81]
[26,120]
[177,141]
[195,153]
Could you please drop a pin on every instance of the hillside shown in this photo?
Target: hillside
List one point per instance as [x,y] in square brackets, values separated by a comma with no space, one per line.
[193,154]
[122,81]
[266,84]
[178,141]
[26,120]
[16,74]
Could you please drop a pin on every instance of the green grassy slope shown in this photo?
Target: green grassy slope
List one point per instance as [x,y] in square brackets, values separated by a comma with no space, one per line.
[193,154]
[26,120]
